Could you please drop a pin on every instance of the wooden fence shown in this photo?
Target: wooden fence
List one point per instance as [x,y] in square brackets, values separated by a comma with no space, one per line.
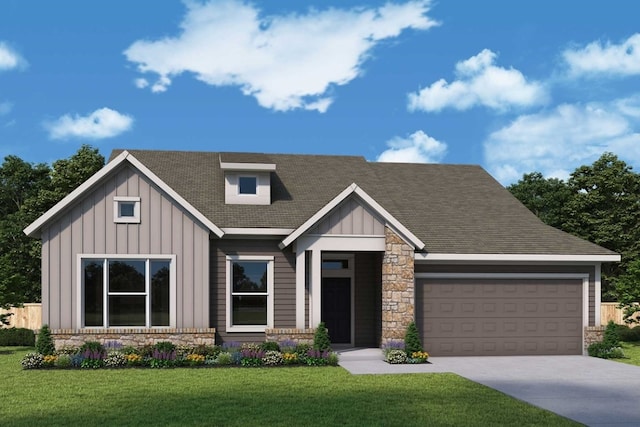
[30,316]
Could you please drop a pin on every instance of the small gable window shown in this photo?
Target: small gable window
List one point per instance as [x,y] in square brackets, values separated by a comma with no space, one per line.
[126,209]
[248,185]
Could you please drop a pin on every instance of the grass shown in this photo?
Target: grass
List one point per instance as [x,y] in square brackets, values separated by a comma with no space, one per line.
[631,352]
[252,396]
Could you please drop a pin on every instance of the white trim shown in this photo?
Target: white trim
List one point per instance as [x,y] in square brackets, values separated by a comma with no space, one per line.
[330,242]
[270,260]
[575,276]
[301,265]
[515,257]
[79,321]
[409,237]
[247,167]
[34,228]
[135,219]
[257,231]
[598,295]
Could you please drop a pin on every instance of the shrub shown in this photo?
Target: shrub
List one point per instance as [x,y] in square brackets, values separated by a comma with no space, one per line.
[112,345]
[419,357]
[392,345]
[287,346]
[64,361]
[272,358]
[301,351]
[32,361]
[44,344]
[133,359]
[205,350]
[270,346]
[76,360]
[396,356]
[115,359]
[93,346]
[17,337]
[163,358]
[251,357]
[628,334]
[609,348]
[165,346]
[321,340]
[49,360]
[332,360]
[67,350]
[93,359]
[224,358]
[412,340]
[231,346]
[317,357]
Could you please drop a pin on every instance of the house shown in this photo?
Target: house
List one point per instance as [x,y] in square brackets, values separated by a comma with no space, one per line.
[197,247]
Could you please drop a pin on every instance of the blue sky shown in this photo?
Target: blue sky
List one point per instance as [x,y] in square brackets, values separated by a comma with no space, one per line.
[518,86]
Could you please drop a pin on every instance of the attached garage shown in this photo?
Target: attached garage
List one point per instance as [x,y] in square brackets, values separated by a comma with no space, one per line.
[501,315]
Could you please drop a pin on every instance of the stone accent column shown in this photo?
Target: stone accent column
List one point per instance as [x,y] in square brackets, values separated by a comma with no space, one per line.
[398,296]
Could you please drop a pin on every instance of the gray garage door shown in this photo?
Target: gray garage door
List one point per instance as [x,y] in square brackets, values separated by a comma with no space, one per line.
[493,317]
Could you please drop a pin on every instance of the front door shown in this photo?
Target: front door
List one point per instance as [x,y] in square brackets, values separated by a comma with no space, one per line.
[336,308]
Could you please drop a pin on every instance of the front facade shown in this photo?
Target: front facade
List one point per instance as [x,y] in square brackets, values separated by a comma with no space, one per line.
[220,247]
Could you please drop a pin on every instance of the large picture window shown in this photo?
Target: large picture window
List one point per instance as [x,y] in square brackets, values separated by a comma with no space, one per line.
[250,293]
[126,292]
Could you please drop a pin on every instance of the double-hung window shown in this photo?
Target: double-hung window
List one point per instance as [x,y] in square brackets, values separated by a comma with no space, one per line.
[249,293]
[127,292]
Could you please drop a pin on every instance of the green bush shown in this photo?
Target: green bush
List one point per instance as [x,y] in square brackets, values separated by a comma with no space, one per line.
[93,346]
[321,340]
[224,358]
[270,346]
[412,341]
[17,337]
[166,346]
[628,334]
[44,344]
[32,361]
[609,348]
[63,361]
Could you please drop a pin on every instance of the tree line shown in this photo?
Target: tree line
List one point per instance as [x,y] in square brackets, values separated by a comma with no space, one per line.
[599,203]
[27,191]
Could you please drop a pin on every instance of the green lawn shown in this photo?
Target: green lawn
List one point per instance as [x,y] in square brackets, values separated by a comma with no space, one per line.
[252,396]
[632,353]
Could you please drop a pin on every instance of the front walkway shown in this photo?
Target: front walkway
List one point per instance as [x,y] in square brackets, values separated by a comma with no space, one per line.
[592,391]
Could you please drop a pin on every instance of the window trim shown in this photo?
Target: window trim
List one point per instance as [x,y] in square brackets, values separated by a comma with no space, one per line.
[114,257]
[117,201]
[229,298]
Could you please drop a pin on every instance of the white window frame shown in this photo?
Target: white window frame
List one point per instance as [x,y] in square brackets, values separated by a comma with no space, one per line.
[105,298]
[118,201]
[270,291]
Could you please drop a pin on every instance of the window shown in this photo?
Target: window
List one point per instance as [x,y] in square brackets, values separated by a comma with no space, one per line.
[249,293]
[248,185]
[127,292]
[126,209]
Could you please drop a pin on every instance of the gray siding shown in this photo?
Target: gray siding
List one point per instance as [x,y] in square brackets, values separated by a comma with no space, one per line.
[88,228]
[368,299]
[526,268]
[350,217]
[284,276]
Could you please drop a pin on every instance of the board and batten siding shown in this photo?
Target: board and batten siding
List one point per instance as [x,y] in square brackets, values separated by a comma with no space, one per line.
[561,269]
[284,277]
[351,217]
[88,227]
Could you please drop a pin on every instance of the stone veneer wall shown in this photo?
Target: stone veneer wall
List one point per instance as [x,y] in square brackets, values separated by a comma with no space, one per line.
[398,295]
[135,337]
[302,336]
[593,334]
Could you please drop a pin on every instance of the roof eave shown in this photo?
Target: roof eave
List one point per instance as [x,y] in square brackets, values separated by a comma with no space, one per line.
[426,257]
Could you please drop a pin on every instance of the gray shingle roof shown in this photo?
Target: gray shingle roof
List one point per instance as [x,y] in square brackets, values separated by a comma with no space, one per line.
[452,208]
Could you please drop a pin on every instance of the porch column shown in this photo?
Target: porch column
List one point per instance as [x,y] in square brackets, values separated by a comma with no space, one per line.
[301,275]
[398,287]
[316,285]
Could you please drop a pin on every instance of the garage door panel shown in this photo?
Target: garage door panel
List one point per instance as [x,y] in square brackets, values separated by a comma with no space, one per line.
[500,316]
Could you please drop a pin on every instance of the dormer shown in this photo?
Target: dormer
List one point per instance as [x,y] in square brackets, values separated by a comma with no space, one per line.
[247,178]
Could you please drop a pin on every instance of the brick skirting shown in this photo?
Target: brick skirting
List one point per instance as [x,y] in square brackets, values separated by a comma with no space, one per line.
[135,337]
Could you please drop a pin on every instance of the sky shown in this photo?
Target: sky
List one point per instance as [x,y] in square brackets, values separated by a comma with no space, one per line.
[514,86]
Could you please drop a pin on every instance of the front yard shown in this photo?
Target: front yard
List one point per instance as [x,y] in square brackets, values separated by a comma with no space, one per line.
[631,353]
[249,396]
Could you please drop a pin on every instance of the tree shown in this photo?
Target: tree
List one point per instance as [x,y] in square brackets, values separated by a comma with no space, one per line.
[627,287]
[26,192]
[605,209]
[545,197]
[412,343]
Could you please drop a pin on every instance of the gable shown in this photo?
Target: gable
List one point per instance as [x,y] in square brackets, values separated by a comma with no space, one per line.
[351,217]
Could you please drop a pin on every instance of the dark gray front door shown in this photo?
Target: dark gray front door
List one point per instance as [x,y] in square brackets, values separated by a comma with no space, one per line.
[336,308]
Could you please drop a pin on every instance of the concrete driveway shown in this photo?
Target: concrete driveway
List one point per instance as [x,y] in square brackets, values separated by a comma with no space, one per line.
[592,391]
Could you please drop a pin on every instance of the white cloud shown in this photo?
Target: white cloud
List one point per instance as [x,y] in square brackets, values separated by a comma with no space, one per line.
[286,61]
[141,83]
[480,82]
[417,148]
[605,58]
[102,123]
[558,141]
[9,58]
[5,107]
